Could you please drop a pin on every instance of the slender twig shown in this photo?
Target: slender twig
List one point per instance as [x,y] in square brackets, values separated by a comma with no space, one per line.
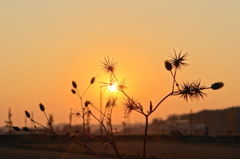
[99,111]
[48,120]
[101,124]
[161,102]
[86,90]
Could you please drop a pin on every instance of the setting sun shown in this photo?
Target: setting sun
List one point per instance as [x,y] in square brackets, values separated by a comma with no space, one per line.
[112,87]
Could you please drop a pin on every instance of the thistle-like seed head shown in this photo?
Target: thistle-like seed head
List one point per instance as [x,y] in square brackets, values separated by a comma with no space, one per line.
[129,106]
[42,108]
[217,85]
[109,66]
[178,60]
[27,114]
[122,85]
[192,90]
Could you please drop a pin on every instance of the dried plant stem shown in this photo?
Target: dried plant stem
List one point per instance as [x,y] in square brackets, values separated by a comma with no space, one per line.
[99,111]
[105,129]
[116,150]
[161,102]
[94,137]
[86,90]
[97,154]
[112,143]
[145,136]
[41,125]
[83,144]
[48,120]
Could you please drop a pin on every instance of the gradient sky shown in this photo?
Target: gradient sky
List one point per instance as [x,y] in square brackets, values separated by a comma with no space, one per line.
[47,44]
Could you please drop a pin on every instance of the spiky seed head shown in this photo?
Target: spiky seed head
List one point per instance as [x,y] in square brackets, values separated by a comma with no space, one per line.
[178,60]
[27,114]
[25,128]
[92,80]
[168,65]
[16,128]
[73,91]
[217,85]
[74,84]
[109,65]
[42,108]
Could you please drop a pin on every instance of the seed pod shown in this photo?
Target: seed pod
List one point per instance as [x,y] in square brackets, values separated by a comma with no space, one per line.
[25,128]
[150,107]
[168,65]
[86,103]
[27,114]
[217,85]
[74,84]
[73,91]
[41,107]
[92,80]
[16,128]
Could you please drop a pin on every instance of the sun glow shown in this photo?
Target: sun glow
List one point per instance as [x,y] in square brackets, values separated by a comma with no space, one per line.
[112,87]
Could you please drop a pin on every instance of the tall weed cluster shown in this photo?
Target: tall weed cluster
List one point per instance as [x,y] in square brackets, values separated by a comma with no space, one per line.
[189,90]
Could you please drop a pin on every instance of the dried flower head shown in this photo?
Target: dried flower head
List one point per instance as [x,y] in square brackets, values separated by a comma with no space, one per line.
[112,101]
[92,80]
[76,113]
[25,128]
[109,66]
[27,114]
[87,103]
[129,105]
[122,85]
[168,65]
[178,61]
[16,128]
[74,84]
[217,85]
[41,107]
[197,88]
[73,91]
[192,90]
[185,91]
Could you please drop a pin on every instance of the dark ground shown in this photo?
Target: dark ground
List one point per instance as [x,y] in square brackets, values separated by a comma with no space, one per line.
[53,147]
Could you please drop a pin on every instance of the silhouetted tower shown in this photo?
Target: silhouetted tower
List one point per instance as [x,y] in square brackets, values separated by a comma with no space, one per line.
[9,122]
[70,120]
[50,121]
[88,122]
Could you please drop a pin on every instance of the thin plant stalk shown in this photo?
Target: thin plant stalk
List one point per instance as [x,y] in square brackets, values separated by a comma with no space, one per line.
[145,136]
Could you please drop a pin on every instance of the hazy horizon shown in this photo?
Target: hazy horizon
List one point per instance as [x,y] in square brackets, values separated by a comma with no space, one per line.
[46,45]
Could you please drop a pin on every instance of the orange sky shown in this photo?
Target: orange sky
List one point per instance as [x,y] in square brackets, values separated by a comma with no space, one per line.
[46,45]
